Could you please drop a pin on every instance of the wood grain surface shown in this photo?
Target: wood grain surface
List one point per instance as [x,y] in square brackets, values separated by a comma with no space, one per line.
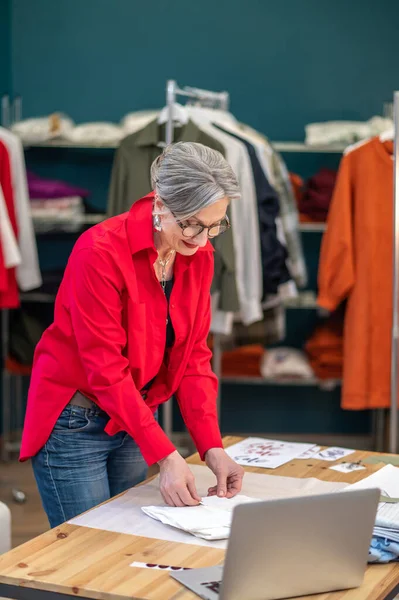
[95,564]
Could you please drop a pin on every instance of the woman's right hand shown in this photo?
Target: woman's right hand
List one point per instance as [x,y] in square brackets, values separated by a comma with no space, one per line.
[177,484]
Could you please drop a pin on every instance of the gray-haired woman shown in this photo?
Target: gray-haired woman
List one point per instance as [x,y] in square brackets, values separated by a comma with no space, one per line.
[130,330]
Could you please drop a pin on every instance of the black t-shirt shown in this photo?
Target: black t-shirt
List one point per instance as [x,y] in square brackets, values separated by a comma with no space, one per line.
[170,332]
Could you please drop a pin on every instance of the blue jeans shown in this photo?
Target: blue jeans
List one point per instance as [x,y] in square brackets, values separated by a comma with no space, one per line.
[81,466]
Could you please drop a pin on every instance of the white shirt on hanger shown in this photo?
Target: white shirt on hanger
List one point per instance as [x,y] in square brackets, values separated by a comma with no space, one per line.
[28,272]
[244,215]
[9,244]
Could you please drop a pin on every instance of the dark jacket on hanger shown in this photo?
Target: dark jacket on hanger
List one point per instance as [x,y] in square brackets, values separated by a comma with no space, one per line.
[274,254]
[131,180]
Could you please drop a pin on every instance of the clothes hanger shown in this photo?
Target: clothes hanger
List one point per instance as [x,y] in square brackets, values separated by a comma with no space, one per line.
[179,113]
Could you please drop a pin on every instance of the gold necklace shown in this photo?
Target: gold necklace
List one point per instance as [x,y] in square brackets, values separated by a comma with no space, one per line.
[164,263]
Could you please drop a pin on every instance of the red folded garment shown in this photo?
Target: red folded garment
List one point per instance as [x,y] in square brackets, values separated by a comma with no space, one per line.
[317,194]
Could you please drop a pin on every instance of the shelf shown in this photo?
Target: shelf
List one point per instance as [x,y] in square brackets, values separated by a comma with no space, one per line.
[37,297]
[327,384]
[301,147]
[313,227]
[300,303]
[55,227]
[68,144]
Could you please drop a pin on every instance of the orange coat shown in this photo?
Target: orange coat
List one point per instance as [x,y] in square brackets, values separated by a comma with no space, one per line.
[356,264]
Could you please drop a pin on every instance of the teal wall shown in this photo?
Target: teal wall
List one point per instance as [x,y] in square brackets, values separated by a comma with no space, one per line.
[5,46]
[285,62]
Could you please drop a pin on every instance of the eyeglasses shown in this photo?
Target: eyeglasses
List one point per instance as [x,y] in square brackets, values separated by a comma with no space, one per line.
[191,230]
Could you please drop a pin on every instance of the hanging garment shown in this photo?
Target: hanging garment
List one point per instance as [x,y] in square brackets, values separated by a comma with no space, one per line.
[28,272]
[274,254]
[131,178]
[278,177]
[10,250]
[356,264]
[9,297]
[245,222]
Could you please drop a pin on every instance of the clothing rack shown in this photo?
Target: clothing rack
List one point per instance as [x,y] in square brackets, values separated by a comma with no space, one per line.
[8,445]
[393,421]
[210,99]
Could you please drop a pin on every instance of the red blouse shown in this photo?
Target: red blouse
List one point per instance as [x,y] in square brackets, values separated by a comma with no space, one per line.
[108,339]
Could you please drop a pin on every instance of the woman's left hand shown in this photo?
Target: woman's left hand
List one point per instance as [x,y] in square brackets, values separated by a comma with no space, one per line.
[228,473]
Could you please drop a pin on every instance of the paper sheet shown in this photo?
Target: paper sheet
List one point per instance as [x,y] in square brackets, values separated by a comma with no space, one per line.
[347,467]
[124,514]
[311,453]
[387,480]
[267,454]
[333,453]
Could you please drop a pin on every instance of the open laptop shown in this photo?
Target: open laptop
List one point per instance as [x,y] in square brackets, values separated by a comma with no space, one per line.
[291,547]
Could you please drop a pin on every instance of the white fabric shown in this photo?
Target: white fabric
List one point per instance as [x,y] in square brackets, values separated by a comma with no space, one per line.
[61,214]
[124,514]
[9,244]
[211,520]
[290,219]
[345,132]
[135,121]
[95,133]
[244,217]
[5,528]
[285,362]
[42,129]
[28,272]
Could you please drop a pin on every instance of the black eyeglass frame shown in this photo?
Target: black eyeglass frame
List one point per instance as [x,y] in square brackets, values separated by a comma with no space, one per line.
[201,226]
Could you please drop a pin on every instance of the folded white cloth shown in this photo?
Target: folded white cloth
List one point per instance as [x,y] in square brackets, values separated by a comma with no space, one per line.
[42,129]
[96,133]
[345,132]
[285,362]
[210,520]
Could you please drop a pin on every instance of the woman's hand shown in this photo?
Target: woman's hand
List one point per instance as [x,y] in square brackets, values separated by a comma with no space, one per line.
[228,473]
[177,484]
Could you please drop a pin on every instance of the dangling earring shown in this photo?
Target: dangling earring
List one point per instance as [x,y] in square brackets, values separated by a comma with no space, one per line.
[157,223]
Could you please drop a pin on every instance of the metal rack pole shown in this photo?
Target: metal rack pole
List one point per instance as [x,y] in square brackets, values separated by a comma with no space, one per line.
[393,425]
[5,387]
[172,91]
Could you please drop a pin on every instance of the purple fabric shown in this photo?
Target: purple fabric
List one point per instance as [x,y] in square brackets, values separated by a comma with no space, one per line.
[43,189]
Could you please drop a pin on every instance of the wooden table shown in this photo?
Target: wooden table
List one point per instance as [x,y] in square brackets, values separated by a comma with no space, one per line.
[89,563]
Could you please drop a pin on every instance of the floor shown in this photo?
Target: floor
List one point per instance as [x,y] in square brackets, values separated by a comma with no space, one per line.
[28,519]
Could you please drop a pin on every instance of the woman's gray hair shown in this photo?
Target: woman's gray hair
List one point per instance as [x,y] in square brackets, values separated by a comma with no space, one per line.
[188,176]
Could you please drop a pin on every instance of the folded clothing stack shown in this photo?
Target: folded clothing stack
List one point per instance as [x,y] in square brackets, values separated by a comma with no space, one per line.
[286,363]
[332,133]
[315,201]
[210,520]
[325,348]
[55,205]
[243,362]
[43,129]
